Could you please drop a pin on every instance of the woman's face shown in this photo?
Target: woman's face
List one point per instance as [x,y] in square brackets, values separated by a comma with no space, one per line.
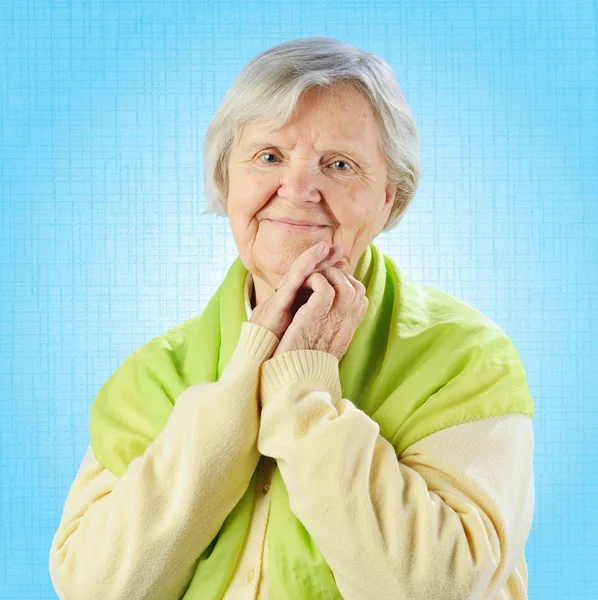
[324,167]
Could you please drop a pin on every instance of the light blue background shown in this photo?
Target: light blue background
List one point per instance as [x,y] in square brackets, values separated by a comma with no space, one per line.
[103,111]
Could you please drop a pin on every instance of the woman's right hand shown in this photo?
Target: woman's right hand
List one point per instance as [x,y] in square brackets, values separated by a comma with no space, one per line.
[276,313]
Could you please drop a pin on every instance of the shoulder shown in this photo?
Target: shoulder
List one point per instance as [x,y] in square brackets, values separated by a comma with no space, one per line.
[146,384]
[422,307]
[456,356]
[161,355]
[442,320]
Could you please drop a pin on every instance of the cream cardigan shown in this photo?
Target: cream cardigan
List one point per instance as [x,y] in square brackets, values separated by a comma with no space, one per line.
[465,495]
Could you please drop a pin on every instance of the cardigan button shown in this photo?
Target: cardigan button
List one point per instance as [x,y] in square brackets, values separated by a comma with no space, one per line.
[266,488]
[250,575]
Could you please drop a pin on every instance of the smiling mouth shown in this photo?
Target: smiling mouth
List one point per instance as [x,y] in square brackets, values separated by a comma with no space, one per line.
[298,226]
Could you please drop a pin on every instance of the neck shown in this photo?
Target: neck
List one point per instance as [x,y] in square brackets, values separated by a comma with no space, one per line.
[252,301]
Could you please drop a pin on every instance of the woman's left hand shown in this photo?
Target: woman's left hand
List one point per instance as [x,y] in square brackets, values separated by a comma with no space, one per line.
[331,316]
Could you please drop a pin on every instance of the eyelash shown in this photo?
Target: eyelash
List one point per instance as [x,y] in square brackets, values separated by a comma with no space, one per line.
[335,161]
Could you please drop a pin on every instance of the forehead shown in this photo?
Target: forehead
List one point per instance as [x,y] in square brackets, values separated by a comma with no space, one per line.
[324,117]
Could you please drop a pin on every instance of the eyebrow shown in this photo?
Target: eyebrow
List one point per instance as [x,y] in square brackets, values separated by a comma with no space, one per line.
[265,144]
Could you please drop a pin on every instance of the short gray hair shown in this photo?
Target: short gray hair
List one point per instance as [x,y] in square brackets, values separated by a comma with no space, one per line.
[267,90]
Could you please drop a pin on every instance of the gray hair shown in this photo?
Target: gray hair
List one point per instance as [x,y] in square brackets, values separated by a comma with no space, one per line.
[267,90]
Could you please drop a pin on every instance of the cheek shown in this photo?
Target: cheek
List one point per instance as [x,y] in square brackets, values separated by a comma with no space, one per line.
[249,192]
[356,214]
[352,210]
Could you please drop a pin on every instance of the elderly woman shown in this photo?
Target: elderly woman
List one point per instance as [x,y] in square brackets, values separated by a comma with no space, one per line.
[326,428]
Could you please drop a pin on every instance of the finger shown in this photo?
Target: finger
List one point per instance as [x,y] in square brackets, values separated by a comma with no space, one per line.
[336,253]
[322,299]
[363,309]
[361,300]
[294,278]
[344,292]
[304,266]
[359,287]
[338,280]
[343,265]
[344,289]
[353,304]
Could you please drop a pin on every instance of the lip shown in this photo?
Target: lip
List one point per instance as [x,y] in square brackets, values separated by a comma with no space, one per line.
[296,224]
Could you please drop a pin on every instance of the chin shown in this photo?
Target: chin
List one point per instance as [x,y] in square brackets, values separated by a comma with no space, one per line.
[279,265]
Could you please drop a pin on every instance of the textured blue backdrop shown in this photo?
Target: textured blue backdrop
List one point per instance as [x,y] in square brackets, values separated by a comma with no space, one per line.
[103,110]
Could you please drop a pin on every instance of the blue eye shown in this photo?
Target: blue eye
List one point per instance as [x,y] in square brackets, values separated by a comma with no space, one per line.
[342,161]
[268,154]
[333,163]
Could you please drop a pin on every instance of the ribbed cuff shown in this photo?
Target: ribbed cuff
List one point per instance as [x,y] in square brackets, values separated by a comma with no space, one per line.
[298,365]
[256,341]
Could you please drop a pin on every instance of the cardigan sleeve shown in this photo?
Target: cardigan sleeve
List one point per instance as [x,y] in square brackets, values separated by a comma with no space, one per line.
[140,535]
[446,520]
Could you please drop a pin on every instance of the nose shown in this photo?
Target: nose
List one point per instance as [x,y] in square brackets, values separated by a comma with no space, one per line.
[299,181]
